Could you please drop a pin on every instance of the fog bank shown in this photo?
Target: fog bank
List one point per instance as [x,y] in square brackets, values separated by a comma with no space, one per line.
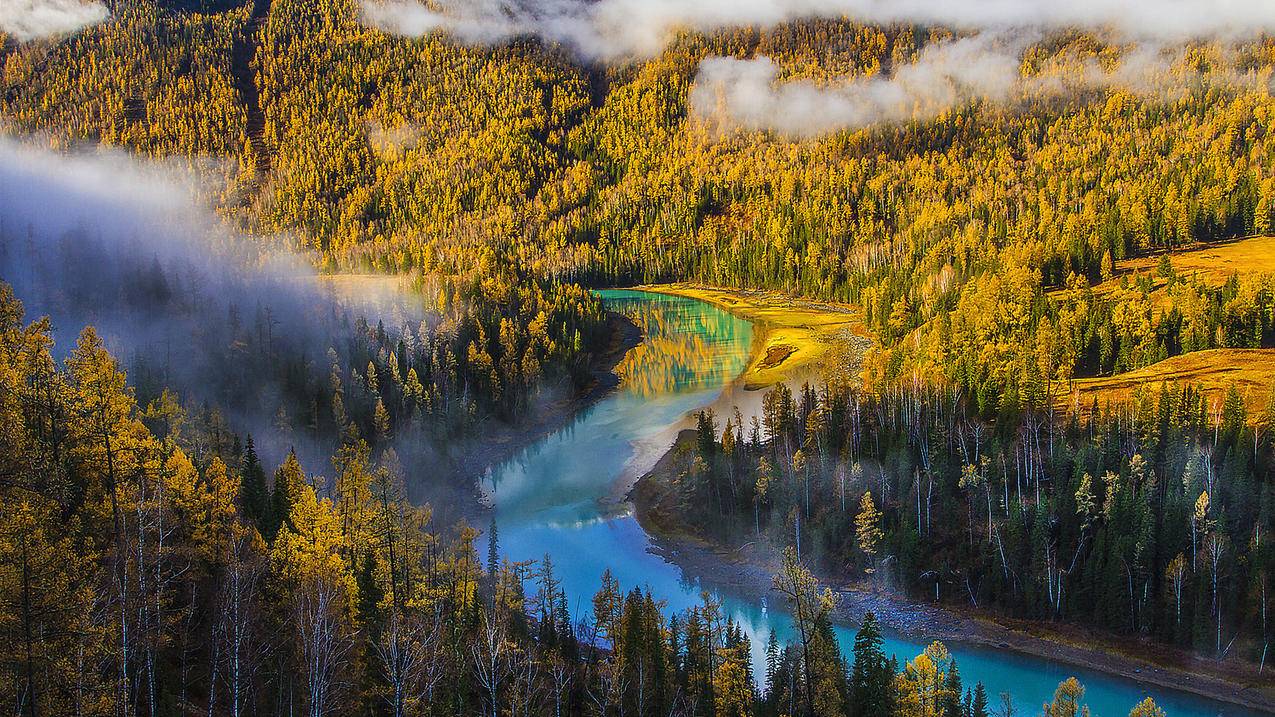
[181,301]
[731,93]
[750,94]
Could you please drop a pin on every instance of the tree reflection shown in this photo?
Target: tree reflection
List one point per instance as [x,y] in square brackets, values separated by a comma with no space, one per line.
[684,346]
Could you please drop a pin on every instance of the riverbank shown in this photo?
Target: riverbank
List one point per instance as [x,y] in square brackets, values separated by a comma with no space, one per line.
[746,570]
[793,339]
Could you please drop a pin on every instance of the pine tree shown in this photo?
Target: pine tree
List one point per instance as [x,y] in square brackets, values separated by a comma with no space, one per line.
[978,706]
[371,596]
[493,549]
[548,594]
[871,677]
[831,687]
[1265,210]
[256,496]
[607,607]
[953,690]
[642,656]
[772,661]
[381,422]
[868,531]
[289,479]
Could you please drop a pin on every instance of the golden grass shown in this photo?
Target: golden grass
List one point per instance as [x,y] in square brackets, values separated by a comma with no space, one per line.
[1215,263]
[1212,264]
[792,338]
[1252,371]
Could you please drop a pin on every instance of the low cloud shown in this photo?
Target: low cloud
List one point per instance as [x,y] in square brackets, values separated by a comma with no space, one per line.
[391,141]
[404,18]
[730,93]
[750,94]
[612,29]
[33,19]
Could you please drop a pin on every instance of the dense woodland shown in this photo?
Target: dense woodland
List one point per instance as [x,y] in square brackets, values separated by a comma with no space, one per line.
[244,351]
[424,155]
[144,572]
[154,565]
[1151,519]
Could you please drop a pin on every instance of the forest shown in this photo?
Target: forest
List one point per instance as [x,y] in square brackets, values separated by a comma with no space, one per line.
[1152,518]
[169,543]
[143,571]
[426,155]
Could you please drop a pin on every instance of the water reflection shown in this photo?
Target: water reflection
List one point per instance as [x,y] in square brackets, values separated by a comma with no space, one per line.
[576,475]
[684,348]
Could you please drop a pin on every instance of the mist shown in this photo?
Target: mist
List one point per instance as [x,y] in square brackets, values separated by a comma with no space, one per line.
[617,29]
[731,93]
[751,94]
[33,19]
[236,324]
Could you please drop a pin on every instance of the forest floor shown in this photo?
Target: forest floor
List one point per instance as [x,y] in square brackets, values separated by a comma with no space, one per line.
[793,339]
[1212,371]
[746,570]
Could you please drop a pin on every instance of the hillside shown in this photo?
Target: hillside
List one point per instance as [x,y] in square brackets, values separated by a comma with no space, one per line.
[1214,372]
[1210,264]
[1010,268]
[424,152]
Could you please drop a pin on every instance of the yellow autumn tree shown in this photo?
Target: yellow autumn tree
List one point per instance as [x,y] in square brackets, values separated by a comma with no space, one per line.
[308,556]
[46,604]
[1147,708]
[923,685]
[867,530]
[311,543]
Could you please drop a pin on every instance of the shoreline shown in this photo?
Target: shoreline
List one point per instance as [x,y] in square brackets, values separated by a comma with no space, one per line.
[747,570]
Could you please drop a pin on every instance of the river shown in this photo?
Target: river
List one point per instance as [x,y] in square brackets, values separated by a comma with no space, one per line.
[564,496]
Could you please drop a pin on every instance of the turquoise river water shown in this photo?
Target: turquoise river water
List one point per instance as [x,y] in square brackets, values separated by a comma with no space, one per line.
[564,496]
